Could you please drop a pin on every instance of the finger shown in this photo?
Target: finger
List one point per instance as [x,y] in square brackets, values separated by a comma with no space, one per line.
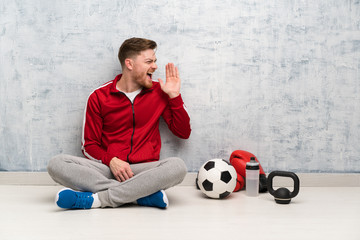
[122,177]
[167,70]
[125,174]
[172,70]
[117,178]
[177,72]
[130,173]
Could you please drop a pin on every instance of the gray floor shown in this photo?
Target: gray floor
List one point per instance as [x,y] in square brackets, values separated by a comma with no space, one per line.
[29,212]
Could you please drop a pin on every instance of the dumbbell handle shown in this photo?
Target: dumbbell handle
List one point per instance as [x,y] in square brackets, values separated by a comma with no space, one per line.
[284,174]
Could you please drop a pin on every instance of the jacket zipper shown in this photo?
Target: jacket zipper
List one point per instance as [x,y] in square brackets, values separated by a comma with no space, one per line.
[132,135]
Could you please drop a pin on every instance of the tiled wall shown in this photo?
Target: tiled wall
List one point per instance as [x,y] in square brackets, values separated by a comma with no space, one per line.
[276,78]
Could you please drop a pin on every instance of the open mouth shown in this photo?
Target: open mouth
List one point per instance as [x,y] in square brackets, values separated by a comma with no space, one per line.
[150,75]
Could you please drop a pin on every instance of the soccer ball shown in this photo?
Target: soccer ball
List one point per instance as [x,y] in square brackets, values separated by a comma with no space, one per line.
[217,178]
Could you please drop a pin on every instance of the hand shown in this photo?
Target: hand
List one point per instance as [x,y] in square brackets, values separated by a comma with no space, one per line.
[120,169]
[172,85]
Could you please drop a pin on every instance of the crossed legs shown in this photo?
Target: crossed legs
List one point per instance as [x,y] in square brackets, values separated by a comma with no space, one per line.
[85,175]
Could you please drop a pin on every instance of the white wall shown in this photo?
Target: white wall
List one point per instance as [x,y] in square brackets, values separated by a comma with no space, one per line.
[277,78]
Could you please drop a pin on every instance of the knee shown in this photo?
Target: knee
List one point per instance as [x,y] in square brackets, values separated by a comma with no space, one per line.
[180,167]
[55,164]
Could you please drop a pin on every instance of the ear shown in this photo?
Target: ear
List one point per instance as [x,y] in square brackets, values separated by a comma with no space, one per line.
[129,63]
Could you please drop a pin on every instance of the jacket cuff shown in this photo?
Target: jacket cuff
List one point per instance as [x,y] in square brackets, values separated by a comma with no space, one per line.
[107,159]
[176,102]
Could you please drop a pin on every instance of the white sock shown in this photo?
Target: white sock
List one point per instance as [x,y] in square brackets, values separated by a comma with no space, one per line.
[96,203]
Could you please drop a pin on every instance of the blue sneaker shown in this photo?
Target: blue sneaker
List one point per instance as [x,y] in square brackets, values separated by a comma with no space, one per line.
[70,199]
[158,199]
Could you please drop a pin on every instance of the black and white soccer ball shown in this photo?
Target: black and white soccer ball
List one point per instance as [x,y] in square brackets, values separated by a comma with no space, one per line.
[217,178]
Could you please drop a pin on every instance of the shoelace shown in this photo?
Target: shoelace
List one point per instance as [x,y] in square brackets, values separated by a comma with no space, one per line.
[83,201]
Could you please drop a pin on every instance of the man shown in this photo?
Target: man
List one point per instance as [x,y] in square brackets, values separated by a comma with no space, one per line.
[121,139]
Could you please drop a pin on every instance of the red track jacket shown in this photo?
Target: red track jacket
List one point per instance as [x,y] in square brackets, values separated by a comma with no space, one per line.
[115,127]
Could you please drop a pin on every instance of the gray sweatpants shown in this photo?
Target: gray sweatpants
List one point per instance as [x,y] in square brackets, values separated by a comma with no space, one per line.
[82,174]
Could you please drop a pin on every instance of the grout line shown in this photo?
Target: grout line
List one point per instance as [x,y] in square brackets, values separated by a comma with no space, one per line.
[306,179]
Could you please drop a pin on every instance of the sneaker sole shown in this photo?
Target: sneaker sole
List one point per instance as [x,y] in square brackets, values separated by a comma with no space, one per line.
[165,199]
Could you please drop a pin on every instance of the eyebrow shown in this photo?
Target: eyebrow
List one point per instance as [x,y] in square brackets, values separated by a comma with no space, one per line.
[150,59]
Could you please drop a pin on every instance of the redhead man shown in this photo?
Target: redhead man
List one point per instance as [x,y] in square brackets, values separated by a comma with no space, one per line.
[121,139]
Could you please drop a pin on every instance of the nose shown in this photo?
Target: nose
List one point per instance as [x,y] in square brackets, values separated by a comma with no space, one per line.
[154,66]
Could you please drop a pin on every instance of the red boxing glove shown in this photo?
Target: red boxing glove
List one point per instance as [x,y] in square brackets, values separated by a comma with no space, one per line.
[240,183]
[238,159]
